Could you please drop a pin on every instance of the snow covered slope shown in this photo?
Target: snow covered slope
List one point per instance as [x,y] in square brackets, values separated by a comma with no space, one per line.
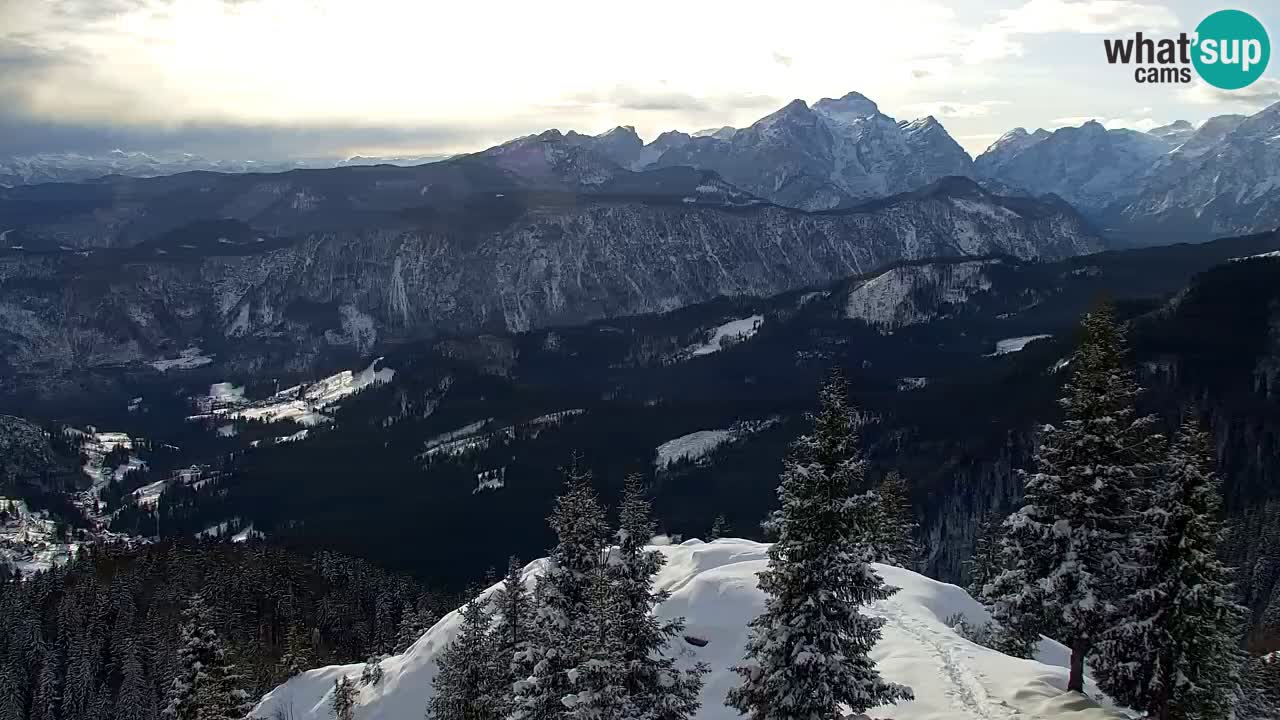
[713,585]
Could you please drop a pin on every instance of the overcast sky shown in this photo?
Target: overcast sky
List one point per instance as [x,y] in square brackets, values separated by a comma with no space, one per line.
[269,78]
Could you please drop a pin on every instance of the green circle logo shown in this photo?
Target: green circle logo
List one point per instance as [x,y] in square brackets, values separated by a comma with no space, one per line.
[1232,49]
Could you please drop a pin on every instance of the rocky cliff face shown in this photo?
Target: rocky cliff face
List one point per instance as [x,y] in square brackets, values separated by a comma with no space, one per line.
[561,262]
[1225,179]
[1089,166]
[1176,182]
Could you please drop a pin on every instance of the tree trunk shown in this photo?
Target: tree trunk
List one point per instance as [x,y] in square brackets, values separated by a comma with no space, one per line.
[1076,680]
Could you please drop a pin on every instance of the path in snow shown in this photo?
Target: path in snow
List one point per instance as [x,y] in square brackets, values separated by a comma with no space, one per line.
[968,688]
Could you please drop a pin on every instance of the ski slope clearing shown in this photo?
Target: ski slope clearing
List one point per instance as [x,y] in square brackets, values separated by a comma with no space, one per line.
[1015,344]
[727,334]
[690,447]
[1272,254]
[302,403]
[713,585]
[192,357]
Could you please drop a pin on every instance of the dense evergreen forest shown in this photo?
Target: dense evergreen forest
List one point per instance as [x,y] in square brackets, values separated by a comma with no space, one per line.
[109,634]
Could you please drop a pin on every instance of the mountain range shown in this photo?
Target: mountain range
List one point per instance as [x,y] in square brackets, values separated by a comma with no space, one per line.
[1175,181]
[78,167]
[310,266]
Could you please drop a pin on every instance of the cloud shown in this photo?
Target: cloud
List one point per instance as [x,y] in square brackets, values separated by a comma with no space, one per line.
[664,99]
[954,109]
[999,39]
[1263,92]
[934,67]
[23,136]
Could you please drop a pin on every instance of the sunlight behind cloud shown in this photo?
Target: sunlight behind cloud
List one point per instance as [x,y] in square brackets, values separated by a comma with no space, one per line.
[406,63]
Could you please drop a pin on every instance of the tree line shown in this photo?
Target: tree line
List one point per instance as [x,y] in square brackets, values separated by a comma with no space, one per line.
[188,630]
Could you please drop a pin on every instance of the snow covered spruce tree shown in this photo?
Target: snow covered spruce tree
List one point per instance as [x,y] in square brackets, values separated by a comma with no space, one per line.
[1065,552]
[629,674]
[719,527]
[809,652]
[510,634]
[563,623]
[206,685]
[342,702]
[897,524]
[463,686]
[1173,652]
[984,566]
[299,655]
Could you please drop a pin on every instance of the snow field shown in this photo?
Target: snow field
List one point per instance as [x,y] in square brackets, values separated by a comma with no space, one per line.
[732,331]
[1015,344]
[713,586]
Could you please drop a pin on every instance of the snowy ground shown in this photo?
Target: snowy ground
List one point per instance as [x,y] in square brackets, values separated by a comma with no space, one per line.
[1272,254]
[907,384]
[713,586]
[302,403]
[28,541]
[690,447]
[728,333]
[476,436]
[192,357]
[698,445]
[1015,344]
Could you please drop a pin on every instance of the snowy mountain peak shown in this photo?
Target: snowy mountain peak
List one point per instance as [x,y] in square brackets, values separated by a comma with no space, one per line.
[1175,133]
[1016,140]
[721,133]
[853,105]
[795,109]
[794,123]
[925,127]
[1091,127]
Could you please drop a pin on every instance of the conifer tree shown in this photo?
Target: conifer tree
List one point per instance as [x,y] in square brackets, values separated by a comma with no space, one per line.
[513,607]
[299,656]
[1173,652]
[1064,552]
[206,684]
[1260,699]
[195,653]
[136,699]
[464,682]
[984,566]
[897,524]
[719,527]
[342,702]
[371,674]
[47,692]
[510,636]
[225,697]
[809,652]
[563,621]
[629,673]
[414,622]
